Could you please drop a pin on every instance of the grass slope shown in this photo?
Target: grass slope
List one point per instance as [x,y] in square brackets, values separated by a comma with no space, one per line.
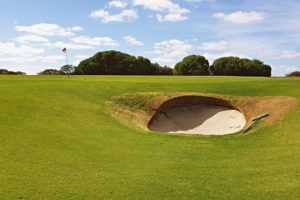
[57,141]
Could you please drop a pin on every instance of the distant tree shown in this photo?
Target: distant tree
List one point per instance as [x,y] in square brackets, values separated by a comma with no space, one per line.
[105,63]
[294,74]
[164,71]
[142,66]
[234,66]
[192,65]
[18,73]
[117,63]
[52,72]
[6,72]
[68,69]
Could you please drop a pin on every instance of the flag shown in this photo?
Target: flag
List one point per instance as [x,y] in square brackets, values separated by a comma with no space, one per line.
[64,50]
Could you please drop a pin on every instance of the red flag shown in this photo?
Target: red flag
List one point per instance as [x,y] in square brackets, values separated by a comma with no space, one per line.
[64,50]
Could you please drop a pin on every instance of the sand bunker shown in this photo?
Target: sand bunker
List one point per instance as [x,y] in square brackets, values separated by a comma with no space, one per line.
[194,115]
[201,119]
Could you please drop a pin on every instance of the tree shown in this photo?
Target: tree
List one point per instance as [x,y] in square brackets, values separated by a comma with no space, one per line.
[142,66]
[6,72]
[294,74]
[52,72]
[106,63]
[164,71]
[117,63]
[192,65]
[68,69]
[234,66]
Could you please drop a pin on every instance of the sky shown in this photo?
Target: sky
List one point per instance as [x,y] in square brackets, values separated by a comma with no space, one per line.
[33,32]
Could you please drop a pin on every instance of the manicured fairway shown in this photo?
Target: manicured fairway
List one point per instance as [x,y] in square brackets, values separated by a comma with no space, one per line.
[57,141]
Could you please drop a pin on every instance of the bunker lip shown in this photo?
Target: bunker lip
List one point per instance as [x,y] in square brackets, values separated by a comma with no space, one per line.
[139,110]
[197,115]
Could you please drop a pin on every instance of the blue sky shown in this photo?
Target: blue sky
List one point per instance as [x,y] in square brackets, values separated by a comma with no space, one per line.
[33,32]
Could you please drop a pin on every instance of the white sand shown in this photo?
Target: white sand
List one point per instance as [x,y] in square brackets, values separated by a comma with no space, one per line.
[200,119]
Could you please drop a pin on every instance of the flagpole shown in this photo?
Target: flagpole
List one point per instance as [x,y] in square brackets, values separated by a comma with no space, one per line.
[67,62]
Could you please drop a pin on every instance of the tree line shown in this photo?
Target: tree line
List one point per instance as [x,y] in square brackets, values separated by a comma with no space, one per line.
[6,72]
[293,74]
[118,63]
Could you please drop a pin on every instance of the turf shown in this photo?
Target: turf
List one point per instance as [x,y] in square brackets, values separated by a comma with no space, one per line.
[57,141]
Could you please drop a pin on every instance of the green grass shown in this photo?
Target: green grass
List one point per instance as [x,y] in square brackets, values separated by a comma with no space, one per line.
[57,141]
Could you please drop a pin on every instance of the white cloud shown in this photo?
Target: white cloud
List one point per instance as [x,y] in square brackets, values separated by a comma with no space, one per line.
[172,17]
[193,1]
[40,42]
[51,59]
[133,41]
[167,11]
[12,49]
[76,29]
[284,69]
[164,61]
[29,39]
[172,12]
[106,17]
[78,43]
[68,45]
[33,58]
[157,5]
[117,4]
[289,54]
[214,46]
[96,41]
[45,29]
[252,47]
[212,57]
[171,51]
[80,58]
[241,17]
[22,54]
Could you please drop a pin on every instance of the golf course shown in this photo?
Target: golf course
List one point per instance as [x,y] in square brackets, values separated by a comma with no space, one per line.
[60,139]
